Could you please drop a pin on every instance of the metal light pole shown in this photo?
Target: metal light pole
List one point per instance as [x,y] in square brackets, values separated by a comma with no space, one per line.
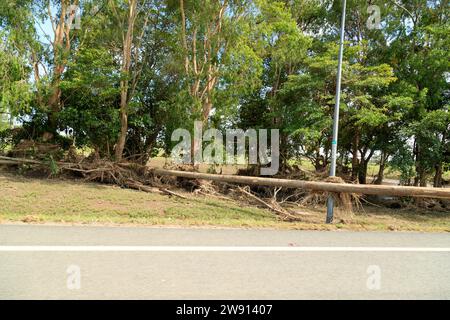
[330,202]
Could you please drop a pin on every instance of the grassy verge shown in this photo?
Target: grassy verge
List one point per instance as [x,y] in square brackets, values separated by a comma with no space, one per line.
[67,201]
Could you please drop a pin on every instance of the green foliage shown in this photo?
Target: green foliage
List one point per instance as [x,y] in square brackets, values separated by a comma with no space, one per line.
[90,91]
[15,89]
[247,63]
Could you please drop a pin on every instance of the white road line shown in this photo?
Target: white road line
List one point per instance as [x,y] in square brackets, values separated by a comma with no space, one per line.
[214,249]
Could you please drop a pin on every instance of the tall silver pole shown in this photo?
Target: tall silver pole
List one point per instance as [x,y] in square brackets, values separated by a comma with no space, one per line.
[330,202]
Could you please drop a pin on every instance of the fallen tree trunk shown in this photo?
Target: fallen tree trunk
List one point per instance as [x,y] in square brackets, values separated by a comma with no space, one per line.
[9,160]
[399,191]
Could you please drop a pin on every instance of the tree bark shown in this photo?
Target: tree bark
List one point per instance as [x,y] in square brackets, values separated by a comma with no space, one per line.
[202,74]
[362,171]
[355,161]
[61,47]
[124,83]
[380,175]
[437,181]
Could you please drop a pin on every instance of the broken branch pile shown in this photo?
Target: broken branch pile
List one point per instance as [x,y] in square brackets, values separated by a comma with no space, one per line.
[140,177]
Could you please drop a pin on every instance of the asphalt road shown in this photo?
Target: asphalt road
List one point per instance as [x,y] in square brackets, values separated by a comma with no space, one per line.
[59,262]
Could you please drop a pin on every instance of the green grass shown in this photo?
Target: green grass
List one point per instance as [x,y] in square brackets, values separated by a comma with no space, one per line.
[66,201]
[35,200]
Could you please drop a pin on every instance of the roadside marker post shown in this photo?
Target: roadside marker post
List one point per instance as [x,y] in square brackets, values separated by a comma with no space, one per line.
[330,202]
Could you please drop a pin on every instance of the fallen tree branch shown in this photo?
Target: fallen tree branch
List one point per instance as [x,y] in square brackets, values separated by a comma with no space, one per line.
[9,160]
[213,195]
[284,214]
[174,194]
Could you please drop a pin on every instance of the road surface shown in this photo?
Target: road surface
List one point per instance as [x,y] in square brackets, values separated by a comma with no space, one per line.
[74,262]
